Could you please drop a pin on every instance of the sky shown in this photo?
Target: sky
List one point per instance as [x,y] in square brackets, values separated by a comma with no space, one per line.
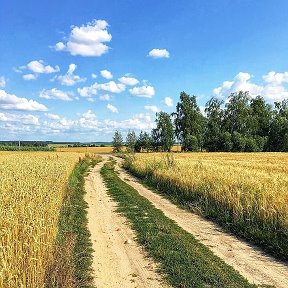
[79,70]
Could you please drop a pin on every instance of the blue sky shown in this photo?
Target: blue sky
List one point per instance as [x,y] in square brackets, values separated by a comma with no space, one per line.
[78,70]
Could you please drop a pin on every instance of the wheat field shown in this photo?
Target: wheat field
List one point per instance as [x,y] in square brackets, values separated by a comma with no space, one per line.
[248,191]
[32,189]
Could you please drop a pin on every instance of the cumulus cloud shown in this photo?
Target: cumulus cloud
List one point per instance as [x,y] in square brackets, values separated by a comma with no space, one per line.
[29,76]
[111,87]
[168,101]
[94,76]
[69,79]
[2,82]
[106,74]
[159,53]
[152,108]
[52,116]
[23,119]
[112,108]
[273,86]
[142,121]
[12,102]
[87,40]
[129,81]
[143,91]
[39,67]
[56,94]
[105,97]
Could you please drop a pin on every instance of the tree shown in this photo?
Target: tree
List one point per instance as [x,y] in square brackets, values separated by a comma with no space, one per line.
[143,142]
[278,134]
[189,122]
[238,115]
[117,141]
[214,113]
[163,134]
[130,141]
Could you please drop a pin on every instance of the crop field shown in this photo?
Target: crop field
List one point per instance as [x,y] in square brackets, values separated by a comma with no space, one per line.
[246,193]
[32,189]
[99,150]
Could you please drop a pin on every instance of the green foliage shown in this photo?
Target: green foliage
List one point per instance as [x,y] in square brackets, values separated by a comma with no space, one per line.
[214,114]
[26,148]
[117,141]
[131,141]
[143,143]
[189,122]
[244,124]
[163,134]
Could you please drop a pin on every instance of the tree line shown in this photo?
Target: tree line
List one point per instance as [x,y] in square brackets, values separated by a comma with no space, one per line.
[241,124]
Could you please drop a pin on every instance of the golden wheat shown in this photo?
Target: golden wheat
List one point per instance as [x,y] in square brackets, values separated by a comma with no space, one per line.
[251,188]
[32,188]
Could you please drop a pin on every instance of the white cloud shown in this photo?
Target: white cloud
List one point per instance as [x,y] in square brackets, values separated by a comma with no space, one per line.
[106,74]
[168,101]
[105,97]
[40,68]
[142,121]
[28,77]
[143,91]
[94,76]
[159,53]
[52,116]
[56,94]
[12,102]
[152,108]
[112,108]
[272,89]
[88,91]
[23,119]
[69,79]
[112,87]
[87,40]
[129,81]
[2,82]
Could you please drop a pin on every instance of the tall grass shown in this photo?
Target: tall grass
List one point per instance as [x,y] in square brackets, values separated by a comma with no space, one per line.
[247,193]
[32,189]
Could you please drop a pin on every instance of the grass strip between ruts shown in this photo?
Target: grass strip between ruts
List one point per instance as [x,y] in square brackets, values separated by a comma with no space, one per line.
[183,260]
[73,253]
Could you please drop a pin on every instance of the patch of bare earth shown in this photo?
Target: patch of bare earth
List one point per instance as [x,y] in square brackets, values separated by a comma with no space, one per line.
[117,259]
[247,259]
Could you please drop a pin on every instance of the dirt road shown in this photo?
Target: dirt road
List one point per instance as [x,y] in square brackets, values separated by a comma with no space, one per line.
[246,259]
[118,261]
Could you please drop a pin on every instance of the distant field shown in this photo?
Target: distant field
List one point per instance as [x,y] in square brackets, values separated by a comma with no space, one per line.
[32,188]
[99,150]
[246,192]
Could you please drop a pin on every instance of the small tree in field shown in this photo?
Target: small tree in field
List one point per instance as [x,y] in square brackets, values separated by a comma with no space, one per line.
[117,141]
[131,141]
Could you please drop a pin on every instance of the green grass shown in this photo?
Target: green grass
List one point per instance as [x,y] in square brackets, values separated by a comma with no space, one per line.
[73,253]
[183,260]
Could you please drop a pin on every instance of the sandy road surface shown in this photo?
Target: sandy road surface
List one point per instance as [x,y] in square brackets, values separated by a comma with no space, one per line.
[245,258]
[116,263]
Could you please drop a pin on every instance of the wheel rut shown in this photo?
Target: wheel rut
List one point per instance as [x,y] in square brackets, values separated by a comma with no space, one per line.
[118,261]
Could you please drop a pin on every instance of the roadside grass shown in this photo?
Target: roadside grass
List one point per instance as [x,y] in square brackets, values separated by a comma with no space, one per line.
[183,260]
[72,266]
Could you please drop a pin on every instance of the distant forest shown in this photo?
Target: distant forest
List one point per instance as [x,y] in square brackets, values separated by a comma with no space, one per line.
[241,124]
